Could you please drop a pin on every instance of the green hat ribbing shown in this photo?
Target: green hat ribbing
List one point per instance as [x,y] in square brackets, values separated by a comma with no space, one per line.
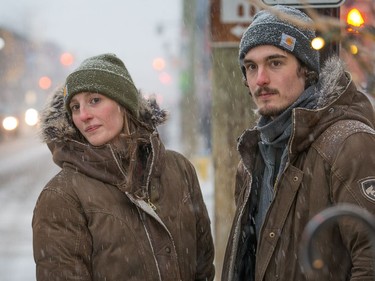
[104,74]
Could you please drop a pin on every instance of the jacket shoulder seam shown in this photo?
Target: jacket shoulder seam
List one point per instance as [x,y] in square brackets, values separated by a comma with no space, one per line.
[330,141]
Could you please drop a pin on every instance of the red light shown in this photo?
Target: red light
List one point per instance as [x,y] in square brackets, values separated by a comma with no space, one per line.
[45,82]
[165,78]
[66,59]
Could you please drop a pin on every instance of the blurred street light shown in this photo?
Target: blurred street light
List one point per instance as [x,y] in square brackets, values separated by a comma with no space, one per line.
[165,78]
[355,18]
[10,123]
[66,59]
[45,82]
[158,64]
[2,43]
[31,117]
[318,43]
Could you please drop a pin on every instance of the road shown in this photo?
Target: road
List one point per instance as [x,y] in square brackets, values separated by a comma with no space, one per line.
[25,167]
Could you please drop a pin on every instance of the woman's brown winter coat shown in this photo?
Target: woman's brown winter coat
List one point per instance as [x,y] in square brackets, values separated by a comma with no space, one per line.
[88,225]
[310,183]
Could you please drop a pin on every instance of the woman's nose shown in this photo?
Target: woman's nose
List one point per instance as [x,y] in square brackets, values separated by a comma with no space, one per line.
[84,113]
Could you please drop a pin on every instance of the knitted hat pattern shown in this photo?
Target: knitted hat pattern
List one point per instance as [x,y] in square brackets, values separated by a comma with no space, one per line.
[275,28]
[104,74]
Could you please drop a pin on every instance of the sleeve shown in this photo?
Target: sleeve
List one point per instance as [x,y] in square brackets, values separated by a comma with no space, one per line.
[205,247]
[61,240]
[353,182]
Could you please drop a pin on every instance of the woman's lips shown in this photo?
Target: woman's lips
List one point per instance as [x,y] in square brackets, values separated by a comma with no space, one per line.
[91,128]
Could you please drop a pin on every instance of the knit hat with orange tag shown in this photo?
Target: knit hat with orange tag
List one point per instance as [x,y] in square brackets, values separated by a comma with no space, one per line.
[286,28]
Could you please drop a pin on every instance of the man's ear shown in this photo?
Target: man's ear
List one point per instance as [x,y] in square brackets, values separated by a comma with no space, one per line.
[244,81]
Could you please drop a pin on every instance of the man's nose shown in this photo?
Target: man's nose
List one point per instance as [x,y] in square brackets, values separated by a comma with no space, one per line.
[263,77]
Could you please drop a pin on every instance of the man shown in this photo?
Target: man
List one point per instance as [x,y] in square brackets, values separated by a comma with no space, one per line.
[313,147]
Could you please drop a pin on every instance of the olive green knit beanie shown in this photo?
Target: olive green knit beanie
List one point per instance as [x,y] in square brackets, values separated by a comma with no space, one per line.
[104,74]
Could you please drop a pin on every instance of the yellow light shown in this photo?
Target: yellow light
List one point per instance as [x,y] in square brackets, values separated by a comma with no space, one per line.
[318,43]
[354,49]
[355,18]
[10,123]
[158,64]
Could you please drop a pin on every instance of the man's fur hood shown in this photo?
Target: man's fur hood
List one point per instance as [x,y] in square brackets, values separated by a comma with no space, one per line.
[56,124]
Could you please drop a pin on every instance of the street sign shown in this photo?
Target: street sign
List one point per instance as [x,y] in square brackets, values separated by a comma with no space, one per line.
[229,19]
[306,3]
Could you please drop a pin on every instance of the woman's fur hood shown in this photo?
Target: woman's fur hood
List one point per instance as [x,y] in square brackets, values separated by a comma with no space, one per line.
[56,124]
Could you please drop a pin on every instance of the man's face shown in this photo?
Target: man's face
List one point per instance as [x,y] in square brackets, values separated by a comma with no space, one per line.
[274,77]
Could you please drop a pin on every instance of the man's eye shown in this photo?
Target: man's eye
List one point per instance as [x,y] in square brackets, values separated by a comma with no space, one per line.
[276,63]
[250,67]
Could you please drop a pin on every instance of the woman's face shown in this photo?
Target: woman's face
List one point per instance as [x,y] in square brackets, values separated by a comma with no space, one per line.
[99,118]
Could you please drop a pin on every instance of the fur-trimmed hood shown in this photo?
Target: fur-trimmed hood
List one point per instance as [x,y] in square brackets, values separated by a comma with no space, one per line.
[56,124]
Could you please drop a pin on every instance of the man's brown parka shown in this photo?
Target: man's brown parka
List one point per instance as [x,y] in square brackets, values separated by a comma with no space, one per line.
[310,183]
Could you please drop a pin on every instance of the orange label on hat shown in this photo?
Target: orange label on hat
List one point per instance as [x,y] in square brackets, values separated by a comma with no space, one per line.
[288,41]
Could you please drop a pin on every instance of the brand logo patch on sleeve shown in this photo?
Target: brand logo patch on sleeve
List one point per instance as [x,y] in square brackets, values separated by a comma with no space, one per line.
[368,188]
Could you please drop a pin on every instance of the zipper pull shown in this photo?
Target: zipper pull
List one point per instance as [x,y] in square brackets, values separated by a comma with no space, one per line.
[151,205]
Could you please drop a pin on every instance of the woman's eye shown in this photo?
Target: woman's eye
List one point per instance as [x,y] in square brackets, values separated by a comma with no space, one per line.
[95,100]
[74,107]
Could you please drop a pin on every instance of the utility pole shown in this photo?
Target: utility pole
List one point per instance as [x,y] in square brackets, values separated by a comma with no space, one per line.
[189,107]
[232,111]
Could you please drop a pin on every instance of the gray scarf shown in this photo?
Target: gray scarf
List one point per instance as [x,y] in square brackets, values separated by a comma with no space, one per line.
[275,134]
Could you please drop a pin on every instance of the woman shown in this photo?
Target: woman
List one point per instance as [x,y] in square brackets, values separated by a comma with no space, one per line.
[122,207]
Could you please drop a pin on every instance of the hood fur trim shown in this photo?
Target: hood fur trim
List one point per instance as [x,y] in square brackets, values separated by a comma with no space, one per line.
[56,124]
[330,85]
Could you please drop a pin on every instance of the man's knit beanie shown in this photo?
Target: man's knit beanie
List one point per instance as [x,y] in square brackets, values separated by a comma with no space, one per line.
[275,27]
[104,74]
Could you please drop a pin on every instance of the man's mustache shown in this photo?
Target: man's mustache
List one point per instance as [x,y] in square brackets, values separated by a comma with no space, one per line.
[265,89]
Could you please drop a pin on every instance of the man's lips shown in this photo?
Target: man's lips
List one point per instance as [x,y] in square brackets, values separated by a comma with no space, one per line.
[91,128]
[265,95]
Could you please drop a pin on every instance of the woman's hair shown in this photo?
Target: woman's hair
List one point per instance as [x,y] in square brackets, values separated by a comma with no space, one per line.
[136,137]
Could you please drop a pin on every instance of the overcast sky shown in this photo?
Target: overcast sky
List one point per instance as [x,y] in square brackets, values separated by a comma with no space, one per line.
[128,28]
